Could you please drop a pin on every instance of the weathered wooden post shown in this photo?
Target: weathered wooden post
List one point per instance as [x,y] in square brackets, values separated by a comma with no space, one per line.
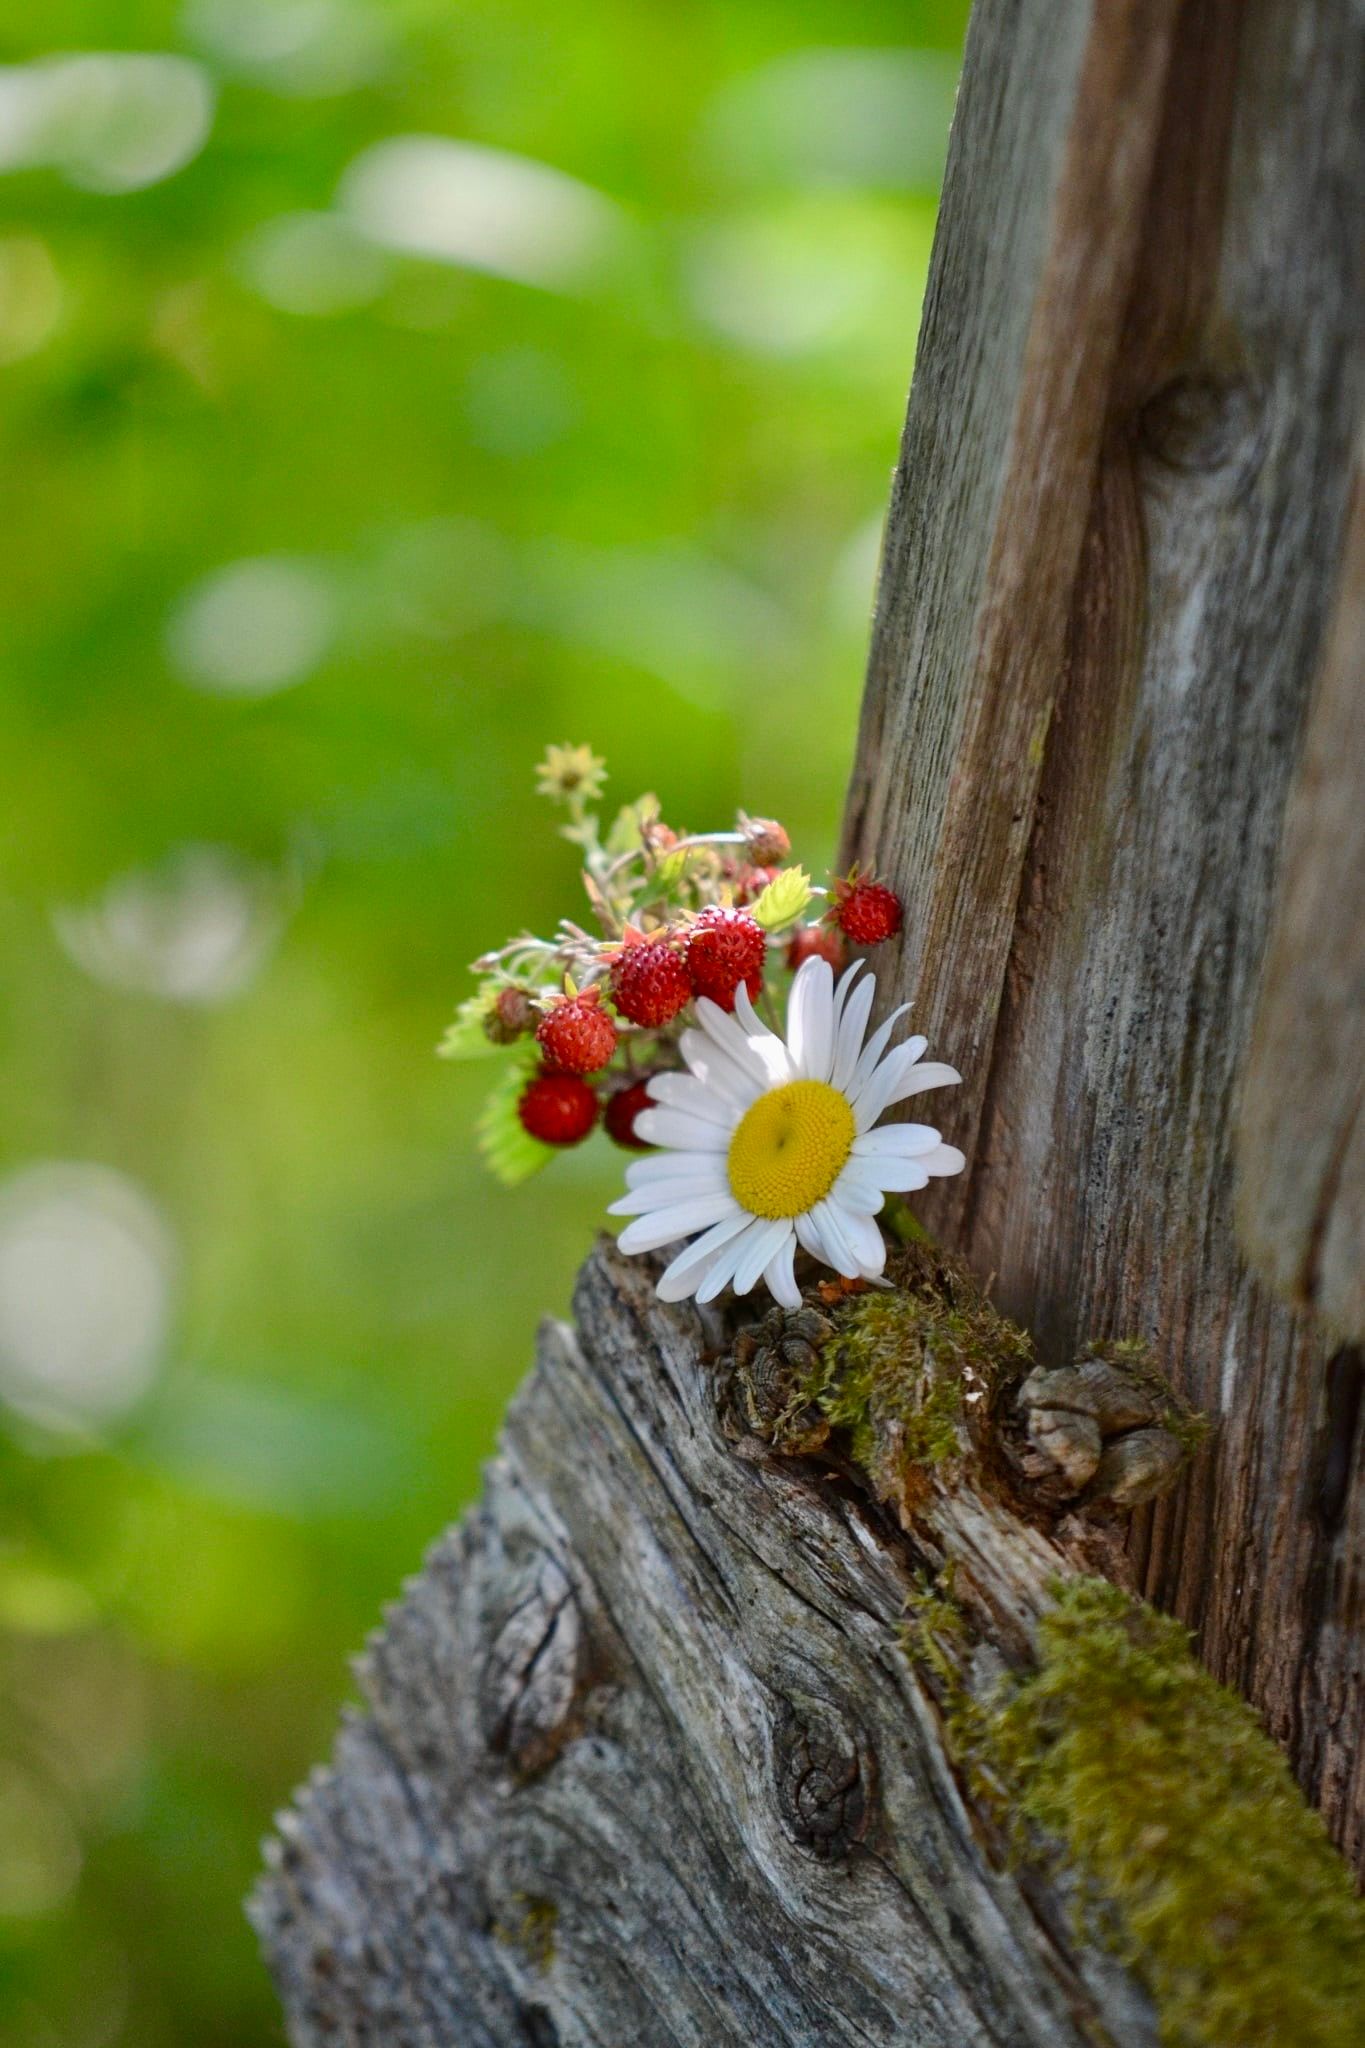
[691,1731]
[1117,541]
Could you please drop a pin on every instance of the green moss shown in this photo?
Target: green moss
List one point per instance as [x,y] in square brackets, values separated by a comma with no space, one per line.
[532,1933]
[905,1366]
[934,1634]
[1161,1791]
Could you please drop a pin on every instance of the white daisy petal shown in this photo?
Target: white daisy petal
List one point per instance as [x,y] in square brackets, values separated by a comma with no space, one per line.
[717,1070]
[810,1020]
[933,1074]
[946,1160]
[663,1166]
[760,1245]
[848,1039]
[727,1034]
[684,1091]
[680,1219]
[900,1176]
[679,1280]
[810,1240]
[665,1194]
[721,1270]
[676,1128]
[747,1017]
[898,1061]
[870,1095]
[895,1141]
[779,1276]
[899,1075]
[844,985]
[860,1186]
[869,1246]
[839,1251]
[763,1043]
[777,1060]
[876,1046]
[681,1164]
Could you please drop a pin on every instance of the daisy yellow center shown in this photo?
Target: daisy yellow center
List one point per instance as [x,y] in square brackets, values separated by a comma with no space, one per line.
[789,1148]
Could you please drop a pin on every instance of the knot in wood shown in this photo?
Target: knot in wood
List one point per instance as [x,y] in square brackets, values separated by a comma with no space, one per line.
[1202,422]
[532,1674]
[824,1773]
[1108,1430]
[774,1367]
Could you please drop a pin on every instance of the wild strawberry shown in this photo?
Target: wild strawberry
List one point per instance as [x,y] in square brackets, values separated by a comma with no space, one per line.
[510,1015]
[576,1034]
[559,1109]
[815,942]
[650,983]
[621,1112]
[749,882]
[865,911]
[766,842]
[724,948]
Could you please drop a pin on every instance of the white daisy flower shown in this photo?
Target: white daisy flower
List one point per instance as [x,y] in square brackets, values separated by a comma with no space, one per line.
[766,1144]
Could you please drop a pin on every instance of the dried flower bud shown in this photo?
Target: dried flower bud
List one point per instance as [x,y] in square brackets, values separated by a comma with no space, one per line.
[510,1016]
[656,837]
[766,842]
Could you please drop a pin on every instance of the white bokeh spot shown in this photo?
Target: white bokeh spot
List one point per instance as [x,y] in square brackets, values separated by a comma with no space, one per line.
[195,929]
[253,627]
[111,121]
[484,209]
[86,1275]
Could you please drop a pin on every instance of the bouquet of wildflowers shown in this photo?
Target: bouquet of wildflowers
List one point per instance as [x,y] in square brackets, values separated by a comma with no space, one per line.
[662,1024]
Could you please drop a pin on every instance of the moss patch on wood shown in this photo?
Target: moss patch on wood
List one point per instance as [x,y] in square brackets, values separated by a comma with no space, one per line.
[906,1367]
[1122,1760]
[924,1377]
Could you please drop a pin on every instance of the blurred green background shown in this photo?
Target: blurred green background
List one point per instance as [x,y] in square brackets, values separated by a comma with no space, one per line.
[387,389]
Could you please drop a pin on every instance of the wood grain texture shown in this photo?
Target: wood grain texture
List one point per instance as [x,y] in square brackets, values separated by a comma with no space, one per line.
[1301,1140]
[1101,613]
[642,1757]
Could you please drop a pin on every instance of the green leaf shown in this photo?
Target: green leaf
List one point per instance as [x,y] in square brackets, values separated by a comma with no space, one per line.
[625,834]
[671,868]
[466,1038]
[509,1151]
[784,899]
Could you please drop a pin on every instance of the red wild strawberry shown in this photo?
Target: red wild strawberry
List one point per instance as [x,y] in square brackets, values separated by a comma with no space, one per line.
[724,948]
[622,1109]
[865,911]
[576,1034]
[559,1109]
[650,982]
[815,942]
[749,883]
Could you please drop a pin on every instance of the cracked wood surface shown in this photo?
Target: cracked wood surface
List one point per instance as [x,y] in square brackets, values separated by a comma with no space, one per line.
[642,1758]
[1116,536]
[1301,1139]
